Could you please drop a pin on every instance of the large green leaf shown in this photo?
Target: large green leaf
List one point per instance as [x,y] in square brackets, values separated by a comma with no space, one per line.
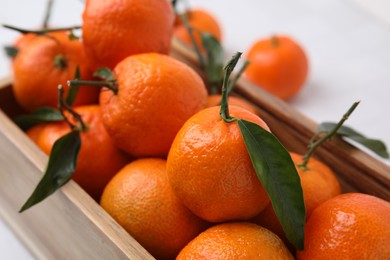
[61,166]
[374,145]
[276,171]
[39,116]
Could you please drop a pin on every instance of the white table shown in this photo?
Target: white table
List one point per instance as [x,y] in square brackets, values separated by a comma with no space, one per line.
[347,41]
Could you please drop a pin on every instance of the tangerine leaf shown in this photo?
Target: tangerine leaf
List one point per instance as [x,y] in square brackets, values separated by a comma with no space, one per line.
[276,171]
[104,73]
[73,89]
[39,116]
[60,168]
[376,146]
[215,57]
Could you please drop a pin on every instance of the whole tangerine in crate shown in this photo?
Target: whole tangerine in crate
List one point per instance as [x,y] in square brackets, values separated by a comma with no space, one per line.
[99,159]
[113,30]
[220,183]
[155,95]
[348,226]
[279,65]
[140,199]
[237,240]
[42,64]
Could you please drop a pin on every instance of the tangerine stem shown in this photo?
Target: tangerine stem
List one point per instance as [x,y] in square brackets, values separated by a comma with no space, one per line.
[190,31]
[60,61]
[224,112]
[109,84]
[275,41]
[62,105]
[315,144]
[237,76]
[43,31]
[46,19]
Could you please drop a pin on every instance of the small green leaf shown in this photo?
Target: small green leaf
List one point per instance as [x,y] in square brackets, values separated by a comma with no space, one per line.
[39,116]
[61,166]
[73,89]
[215,58]
[11,51]
[276,171]
[374,145]
[104,73]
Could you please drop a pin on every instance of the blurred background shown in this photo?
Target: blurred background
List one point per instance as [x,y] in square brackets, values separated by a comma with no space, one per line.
[347,43]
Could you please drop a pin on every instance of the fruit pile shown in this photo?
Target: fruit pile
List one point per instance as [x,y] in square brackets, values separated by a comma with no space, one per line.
[189,171]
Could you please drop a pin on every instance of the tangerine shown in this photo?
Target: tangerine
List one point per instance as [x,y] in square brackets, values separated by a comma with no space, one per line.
[45,62]
[113,30]
[279,65]
[156,95]
[348,226]
[235,241]
[99,159]
[319,184]
[210,170]
[201,21]
[141,200]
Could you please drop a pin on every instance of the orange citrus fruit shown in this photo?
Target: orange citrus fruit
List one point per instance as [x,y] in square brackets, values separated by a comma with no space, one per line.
[319,184]
[238,240]
[210,169]
[201,21]
[279,65]
[348,226]
[141,200]
[99,159]
[156,95]
[34,132]
[113,30]
[45,62]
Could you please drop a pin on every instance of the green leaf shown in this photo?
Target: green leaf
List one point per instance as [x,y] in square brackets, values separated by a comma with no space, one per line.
[39,116]
[73,89]
[215,57]
[11,51]
[104,73]
[276,171]
[374,145]
[61,166]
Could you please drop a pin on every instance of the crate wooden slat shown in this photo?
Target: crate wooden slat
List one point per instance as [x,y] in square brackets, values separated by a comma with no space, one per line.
[71,225]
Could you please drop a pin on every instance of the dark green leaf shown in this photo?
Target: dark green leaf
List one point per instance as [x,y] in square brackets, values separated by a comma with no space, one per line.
[11,51]
[39,116]
[104,73]
[277,173]
[215,57]
[374,145]
[61,166]
[73,89]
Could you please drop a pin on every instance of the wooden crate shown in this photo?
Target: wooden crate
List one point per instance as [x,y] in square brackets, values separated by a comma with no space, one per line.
[70,225]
